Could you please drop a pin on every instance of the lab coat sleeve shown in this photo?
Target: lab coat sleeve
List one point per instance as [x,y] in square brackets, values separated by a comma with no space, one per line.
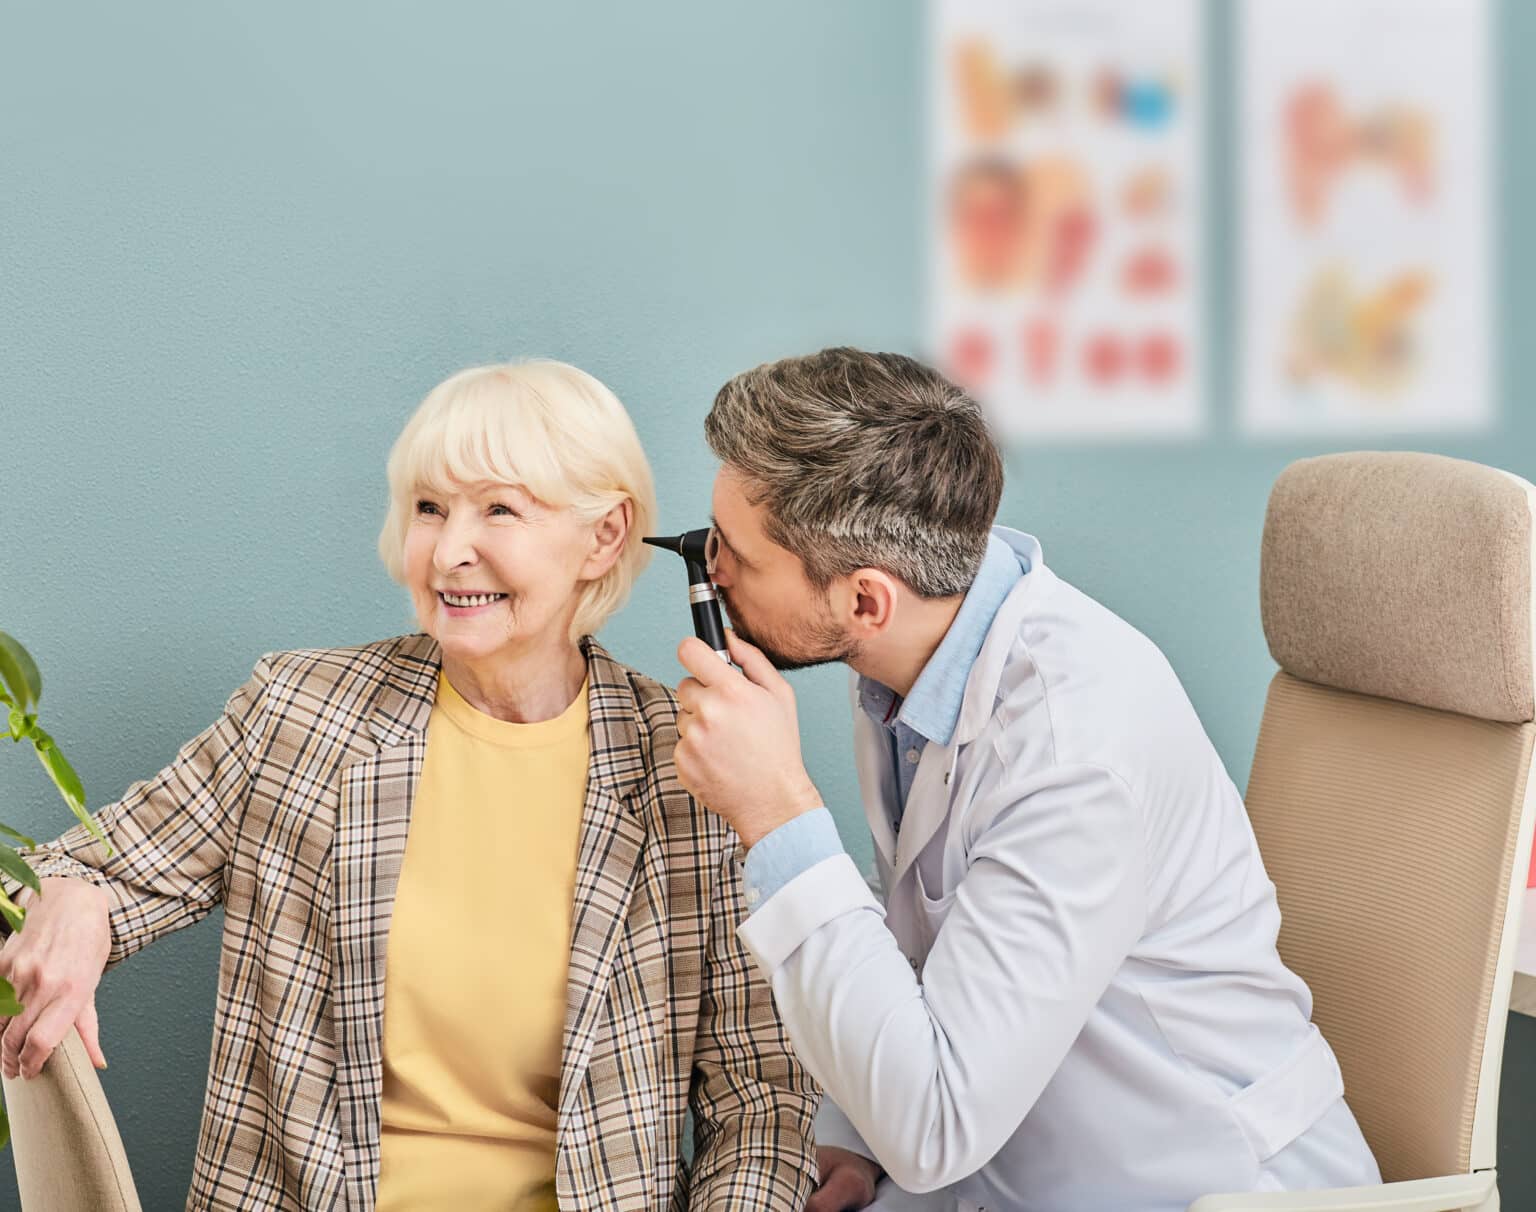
[835,1130]
[936,1076]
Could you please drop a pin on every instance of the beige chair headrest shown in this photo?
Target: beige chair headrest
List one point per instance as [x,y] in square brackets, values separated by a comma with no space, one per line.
[1405,576]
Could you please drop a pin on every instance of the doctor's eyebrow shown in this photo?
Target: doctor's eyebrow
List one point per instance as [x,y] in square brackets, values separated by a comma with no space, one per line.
[729,546]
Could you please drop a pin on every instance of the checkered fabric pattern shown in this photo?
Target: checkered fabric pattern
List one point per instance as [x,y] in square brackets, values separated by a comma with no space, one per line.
[292,812]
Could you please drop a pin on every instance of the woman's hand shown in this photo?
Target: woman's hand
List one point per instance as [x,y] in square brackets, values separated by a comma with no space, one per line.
[54,963]
[847,1181]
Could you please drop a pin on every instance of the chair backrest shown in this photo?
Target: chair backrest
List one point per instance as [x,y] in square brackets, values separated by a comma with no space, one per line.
[64,1141]
[1391,791]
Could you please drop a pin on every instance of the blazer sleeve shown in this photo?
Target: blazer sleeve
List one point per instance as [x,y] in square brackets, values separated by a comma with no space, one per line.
[754,1104]
[170,835]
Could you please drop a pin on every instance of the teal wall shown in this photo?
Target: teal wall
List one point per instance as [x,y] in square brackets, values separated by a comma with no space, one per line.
[238,244]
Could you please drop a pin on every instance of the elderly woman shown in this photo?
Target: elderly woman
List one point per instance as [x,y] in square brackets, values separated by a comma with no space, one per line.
[479,945]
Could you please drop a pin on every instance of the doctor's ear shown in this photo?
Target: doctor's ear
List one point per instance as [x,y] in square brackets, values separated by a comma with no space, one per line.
[872,599]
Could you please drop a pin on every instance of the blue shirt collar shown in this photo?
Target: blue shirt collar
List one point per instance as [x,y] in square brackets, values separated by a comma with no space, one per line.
[932,708]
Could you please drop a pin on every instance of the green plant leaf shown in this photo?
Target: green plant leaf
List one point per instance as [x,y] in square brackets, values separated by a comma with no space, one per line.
[9,1006]
[60,771]
[13,865]
[19,672]
[68,783]
[17,722]
[13,913]
[17,836]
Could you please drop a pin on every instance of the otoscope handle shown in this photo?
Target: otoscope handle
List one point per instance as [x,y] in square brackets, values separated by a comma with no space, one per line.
[707,624]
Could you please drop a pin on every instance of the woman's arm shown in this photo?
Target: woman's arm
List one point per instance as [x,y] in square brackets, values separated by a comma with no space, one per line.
[170,835]
[753,1102]
[170,839]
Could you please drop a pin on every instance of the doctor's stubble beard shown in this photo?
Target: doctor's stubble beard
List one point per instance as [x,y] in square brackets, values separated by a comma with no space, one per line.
[825,642]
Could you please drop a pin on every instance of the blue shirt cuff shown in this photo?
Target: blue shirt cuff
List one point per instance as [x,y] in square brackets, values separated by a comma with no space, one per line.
[795,846]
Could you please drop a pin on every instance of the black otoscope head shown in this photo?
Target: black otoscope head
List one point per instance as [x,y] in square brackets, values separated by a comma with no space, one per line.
[705,607]
[691,544]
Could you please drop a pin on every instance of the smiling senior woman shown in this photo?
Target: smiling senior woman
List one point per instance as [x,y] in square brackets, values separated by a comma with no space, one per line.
[479,946]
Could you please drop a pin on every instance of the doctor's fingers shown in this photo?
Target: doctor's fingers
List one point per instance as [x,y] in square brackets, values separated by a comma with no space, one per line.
[690,693]
[757,668]
[845,1188]
[699,659]
[702,702]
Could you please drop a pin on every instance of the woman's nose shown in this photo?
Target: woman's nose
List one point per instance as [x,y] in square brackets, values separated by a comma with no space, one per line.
[455,548]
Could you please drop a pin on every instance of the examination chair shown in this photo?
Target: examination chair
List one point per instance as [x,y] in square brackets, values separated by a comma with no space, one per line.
[1391,797]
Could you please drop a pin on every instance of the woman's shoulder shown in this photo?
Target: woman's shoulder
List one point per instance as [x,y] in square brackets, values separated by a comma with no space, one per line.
[645,715]
[301,685]
[414,657]
[655,704]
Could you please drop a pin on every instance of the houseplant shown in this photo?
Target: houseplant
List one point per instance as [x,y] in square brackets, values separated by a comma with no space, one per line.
[21,686]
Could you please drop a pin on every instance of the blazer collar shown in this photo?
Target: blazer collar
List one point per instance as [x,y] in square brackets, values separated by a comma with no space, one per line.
[402,707]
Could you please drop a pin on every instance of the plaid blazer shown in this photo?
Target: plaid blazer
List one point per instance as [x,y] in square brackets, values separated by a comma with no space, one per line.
[292,811]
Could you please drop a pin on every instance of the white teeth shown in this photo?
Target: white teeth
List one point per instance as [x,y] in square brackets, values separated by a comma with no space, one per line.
[473,599]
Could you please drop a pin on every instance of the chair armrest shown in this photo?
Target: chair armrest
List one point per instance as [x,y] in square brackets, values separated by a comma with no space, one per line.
[1449,1194]
[64,1142]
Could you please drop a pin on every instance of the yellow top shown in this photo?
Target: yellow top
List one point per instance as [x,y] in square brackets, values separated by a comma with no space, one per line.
[479,951]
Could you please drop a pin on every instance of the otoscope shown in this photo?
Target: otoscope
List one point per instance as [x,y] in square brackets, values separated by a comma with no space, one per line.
[692,546]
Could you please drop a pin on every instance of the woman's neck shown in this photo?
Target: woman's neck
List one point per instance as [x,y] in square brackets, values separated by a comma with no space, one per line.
[521,689]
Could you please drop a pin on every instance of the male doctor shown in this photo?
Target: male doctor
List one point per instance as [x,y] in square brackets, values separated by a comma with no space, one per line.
[1071,998]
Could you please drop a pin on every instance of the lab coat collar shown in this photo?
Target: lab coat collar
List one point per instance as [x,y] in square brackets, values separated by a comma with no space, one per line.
[987,672]
[928,803]
[932,707]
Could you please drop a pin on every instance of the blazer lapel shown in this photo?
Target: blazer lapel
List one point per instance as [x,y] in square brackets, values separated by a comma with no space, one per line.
[373,821]
[611,863]
[612,842]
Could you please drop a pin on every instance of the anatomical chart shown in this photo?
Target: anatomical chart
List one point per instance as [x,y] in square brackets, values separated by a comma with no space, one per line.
[1065,212]
[1367,216]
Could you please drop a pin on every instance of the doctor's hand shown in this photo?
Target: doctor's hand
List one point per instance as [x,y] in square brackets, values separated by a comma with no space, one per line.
[847,1181]
[738,751]
[54,963]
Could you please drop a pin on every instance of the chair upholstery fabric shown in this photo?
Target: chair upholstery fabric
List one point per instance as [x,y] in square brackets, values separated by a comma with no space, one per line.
[1392,772]
[64,1142]
[1390,833]
[1405,576]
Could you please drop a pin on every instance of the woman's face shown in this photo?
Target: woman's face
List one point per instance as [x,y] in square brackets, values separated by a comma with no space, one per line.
[495,573]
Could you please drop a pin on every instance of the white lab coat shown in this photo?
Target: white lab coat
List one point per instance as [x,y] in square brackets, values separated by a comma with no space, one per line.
[1072,999]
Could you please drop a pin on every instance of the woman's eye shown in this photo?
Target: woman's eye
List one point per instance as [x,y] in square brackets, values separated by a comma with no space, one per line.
[502,511]
[427,508]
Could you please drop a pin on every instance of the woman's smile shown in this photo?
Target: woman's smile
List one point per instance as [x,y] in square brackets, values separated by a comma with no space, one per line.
[463,605]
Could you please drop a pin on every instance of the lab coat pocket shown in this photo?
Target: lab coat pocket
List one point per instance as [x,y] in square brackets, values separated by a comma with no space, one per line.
[931,910]
[1290,1098]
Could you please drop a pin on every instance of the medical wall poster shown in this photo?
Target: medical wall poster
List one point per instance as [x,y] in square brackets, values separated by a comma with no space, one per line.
[1366,216]
[1064,208]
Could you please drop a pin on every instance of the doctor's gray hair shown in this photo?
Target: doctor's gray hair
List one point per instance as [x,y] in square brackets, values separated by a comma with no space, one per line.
[864,460]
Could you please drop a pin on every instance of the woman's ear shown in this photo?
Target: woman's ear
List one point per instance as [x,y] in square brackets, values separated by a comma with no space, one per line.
[609,534]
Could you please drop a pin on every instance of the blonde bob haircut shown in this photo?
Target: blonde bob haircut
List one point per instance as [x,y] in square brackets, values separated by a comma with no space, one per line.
[543,426]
